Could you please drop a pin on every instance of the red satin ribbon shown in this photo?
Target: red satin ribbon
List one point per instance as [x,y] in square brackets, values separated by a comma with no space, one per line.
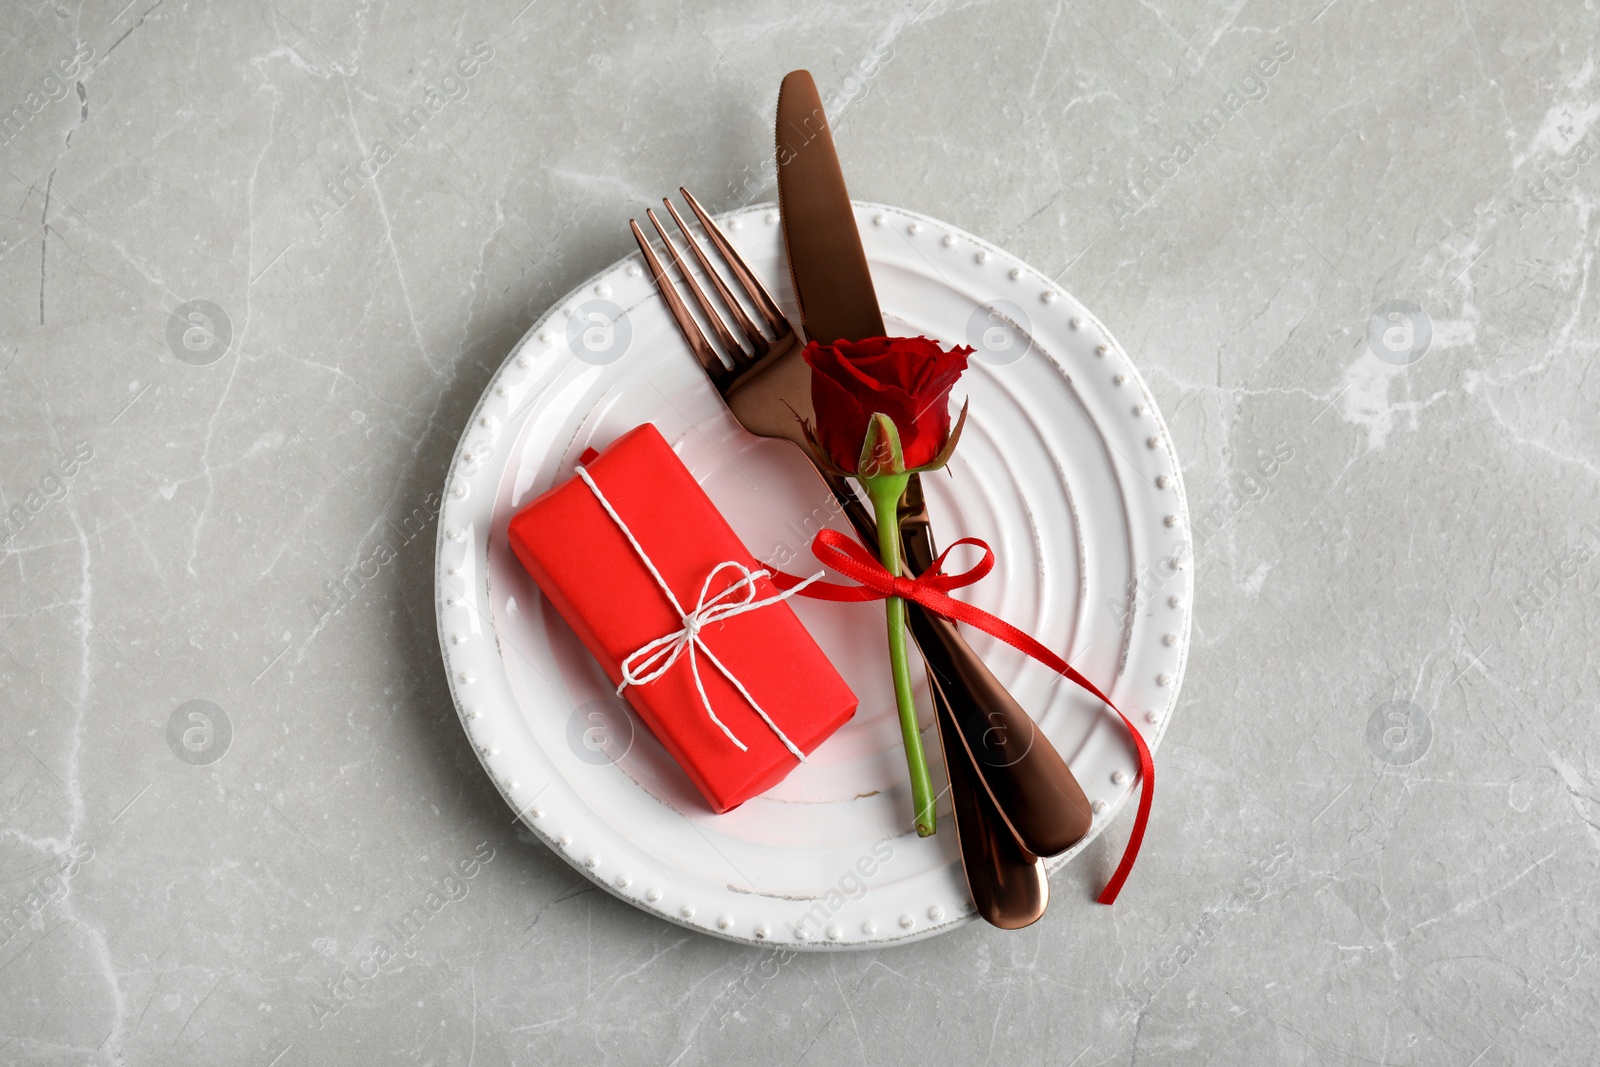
[931,590]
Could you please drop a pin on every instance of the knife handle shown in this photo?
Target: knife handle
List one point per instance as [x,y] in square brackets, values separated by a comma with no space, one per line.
[1024,774]
[1031,785]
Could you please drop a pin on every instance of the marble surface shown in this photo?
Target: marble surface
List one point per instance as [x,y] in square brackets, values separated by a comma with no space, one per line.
[257,262]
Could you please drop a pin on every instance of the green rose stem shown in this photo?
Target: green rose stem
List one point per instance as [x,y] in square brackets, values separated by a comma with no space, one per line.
[886,491]
[881,452]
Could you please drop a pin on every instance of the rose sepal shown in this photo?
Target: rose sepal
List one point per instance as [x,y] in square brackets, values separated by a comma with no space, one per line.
[881,453]
[819,455]
[949,447]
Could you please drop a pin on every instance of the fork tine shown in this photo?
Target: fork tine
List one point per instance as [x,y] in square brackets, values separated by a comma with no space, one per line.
[757,340]
[741,359]
[741,271]
[715,369]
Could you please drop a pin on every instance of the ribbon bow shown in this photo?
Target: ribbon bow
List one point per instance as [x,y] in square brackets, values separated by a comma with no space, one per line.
[931,589]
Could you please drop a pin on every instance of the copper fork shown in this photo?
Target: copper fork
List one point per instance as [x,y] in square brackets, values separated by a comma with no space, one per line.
[1020,775]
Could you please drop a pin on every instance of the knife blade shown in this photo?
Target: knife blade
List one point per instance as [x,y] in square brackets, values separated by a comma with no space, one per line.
[827,264]
[1025,777]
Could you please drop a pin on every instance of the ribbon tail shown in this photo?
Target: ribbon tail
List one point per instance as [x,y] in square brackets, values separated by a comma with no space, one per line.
[845,594]
[794,749]
[1147,791]
[705,701]
[1023,642]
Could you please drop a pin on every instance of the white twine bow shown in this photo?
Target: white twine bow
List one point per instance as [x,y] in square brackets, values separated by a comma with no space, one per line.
[650,661]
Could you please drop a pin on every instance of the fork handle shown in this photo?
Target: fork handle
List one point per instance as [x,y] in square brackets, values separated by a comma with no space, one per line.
[1009,885]
[1031,785]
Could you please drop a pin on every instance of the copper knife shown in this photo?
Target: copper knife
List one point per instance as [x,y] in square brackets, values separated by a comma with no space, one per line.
[1023,775]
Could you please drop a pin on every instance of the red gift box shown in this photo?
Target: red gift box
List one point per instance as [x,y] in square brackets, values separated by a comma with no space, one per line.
[583,561]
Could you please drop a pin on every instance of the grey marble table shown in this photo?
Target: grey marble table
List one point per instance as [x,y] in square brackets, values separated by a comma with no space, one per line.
[257,262]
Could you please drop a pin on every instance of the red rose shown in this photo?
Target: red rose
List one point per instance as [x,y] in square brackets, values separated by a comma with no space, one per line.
[906,378]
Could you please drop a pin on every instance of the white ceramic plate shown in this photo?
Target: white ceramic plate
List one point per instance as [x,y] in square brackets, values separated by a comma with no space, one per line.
[1066,469]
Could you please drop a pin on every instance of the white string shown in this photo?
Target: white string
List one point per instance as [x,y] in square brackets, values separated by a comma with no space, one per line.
[650,661]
